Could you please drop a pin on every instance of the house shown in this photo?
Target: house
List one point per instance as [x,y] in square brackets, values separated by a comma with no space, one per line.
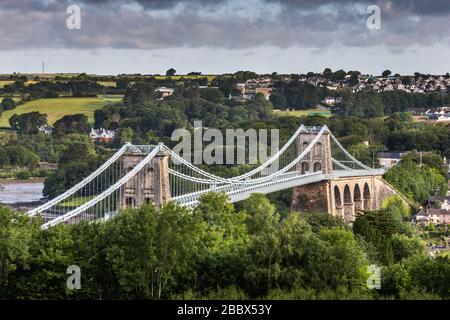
[422,218]
[329,101]
[439,216]
[45,129]
[48,166]
[439,203]
[439,115]
[251,87]
[389,159]
[102,135]
[435,216]
[265,91]
[165,92]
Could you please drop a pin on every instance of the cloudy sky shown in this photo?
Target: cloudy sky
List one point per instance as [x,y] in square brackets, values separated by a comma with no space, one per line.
[218,36]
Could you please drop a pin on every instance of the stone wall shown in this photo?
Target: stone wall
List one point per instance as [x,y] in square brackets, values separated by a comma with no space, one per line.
[311,197]
[342,197]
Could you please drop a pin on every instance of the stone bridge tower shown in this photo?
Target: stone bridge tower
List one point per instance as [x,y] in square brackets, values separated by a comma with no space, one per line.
[150,185]
[342,197]
[319,158]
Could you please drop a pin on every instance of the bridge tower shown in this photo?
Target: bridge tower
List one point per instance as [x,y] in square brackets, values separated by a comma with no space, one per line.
[150,185]
[319,158]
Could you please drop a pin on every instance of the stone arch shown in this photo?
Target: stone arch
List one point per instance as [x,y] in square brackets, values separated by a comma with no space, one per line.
[347,195]
[305,145]
[317,166]
[337,201]
[348,203]
[318,150]
[305,167]
[357,198]
[367,197]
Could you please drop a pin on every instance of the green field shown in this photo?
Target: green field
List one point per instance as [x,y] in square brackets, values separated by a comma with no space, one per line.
[5,82]
[57,108]
[302,113]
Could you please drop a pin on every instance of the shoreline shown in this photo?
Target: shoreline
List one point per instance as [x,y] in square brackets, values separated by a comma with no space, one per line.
[31,180]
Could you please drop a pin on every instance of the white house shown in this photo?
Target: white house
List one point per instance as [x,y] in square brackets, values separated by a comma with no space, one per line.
[102,135]
[165,92]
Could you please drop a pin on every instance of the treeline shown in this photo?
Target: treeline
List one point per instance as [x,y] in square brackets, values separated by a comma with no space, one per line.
[148,117]
[417,181]
[218,251]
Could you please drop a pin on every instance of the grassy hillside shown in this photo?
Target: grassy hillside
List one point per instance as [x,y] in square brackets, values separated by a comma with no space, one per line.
[57,108]
[5,82]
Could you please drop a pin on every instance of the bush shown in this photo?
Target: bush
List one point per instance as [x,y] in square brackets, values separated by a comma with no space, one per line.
[42,173]
[23,175]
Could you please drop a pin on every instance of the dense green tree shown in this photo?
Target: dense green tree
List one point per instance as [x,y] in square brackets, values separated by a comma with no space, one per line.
[386,73]
[417,182]
[16,238]
[278,100]
[8,103]
[77,123]
[21,156]
[404,247]
[395,280]
[224,242]
[432,274]
[335,259]
[212,94]
[171,72]
[28,123]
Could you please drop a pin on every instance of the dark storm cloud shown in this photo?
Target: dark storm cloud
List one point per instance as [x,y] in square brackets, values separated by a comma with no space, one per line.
[316,24]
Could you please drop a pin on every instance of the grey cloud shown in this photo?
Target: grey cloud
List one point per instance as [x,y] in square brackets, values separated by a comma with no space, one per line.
[107,23]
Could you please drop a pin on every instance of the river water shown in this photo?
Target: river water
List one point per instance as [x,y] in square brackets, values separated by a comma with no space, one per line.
[12,192]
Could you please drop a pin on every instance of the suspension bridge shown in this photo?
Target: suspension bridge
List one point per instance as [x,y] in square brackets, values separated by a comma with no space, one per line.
[323,174]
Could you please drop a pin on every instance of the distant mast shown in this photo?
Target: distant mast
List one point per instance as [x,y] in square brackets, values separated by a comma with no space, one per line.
[43,66]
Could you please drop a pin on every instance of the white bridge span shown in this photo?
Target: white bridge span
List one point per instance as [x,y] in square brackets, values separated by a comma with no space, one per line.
[312,154]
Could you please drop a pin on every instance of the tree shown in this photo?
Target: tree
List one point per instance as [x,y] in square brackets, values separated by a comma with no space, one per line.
[8,103]
[261,214]
[377,228]
[124,135]
[159,250]
[301,95]
[223,250]
[395,280]
[171,72]
[77,123]
[386,73]
[327,73]
[28,123]
[17,234]
[404,247]
[4,158]
[334,259]
[419,183]
[212,94]
[278,99]
[20,156]
[432,274]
